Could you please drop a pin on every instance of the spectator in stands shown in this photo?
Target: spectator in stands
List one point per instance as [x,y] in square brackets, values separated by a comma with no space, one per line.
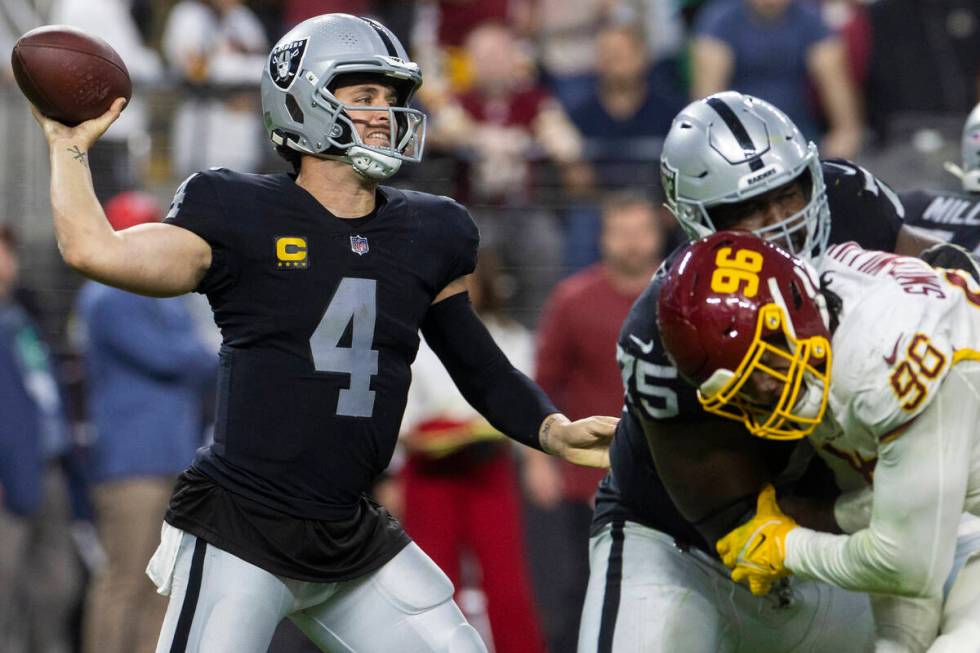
[459,18]
[120,157]
[147,372]
[39,573]
[460,487]
[775,50]
[662,21]
[215,47]
[952,215]
[505,123]
[629,107]
[397,15]
[564,33]
[623,119]
[576,365]
[924,60]
[296,11]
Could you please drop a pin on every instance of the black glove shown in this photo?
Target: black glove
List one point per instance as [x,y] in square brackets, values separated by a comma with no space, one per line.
[952,257]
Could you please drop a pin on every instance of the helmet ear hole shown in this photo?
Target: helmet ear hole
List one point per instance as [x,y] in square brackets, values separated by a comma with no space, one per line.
[292,106]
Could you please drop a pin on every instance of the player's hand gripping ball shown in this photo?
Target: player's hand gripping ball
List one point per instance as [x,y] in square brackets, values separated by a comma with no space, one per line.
[69,75]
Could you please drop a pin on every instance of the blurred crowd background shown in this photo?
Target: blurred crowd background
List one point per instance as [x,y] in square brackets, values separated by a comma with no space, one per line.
[546,121]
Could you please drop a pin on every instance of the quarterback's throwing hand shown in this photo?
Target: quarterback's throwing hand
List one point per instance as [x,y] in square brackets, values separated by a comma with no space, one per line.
[84,134]
[584,442]
[755,551]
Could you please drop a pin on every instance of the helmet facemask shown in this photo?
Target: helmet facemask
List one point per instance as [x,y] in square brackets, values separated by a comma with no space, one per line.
[802,372]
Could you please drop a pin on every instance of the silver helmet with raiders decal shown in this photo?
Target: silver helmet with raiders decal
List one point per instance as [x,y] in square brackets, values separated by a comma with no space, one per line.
[969,169]
[299,108]
[725,149]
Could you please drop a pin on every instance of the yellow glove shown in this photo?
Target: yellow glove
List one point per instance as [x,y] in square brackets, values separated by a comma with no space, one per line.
[756,550]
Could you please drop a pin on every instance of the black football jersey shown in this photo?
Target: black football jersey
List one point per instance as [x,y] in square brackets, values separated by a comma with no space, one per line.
[320,319]
[953,216]
[863,210]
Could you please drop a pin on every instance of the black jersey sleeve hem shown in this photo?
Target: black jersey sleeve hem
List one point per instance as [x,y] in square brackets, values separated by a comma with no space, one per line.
[506,397]
[197,206]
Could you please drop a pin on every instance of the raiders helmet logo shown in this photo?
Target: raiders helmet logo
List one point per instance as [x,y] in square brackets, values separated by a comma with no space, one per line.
[285,61]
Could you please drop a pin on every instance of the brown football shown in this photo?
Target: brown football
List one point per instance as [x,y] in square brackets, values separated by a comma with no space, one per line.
[68,74]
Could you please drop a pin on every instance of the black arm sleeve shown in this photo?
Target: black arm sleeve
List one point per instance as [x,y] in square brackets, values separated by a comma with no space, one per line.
[507,398]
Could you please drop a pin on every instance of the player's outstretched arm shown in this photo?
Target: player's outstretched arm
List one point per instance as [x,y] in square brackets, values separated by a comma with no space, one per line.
[154,259]
[918,497]
[506,397]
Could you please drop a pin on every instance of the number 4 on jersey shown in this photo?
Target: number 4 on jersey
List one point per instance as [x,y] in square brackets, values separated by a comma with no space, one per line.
[355,300]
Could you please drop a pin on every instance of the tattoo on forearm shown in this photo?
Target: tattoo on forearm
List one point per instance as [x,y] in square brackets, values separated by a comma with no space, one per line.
[546,432]
[79,155]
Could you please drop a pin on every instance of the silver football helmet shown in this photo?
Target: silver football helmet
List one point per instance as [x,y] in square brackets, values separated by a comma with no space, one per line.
[969,169]
[729,147]
[300,111]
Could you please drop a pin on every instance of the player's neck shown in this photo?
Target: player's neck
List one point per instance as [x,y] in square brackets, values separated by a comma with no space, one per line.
[337,187]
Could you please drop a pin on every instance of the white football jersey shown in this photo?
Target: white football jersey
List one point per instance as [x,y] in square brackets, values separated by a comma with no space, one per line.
[904,411]
[902,326]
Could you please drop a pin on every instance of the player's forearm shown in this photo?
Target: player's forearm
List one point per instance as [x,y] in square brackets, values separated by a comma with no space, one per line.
[712,64]
[862,562]
[545,431]
[80,224]
[506,397]
[917,501]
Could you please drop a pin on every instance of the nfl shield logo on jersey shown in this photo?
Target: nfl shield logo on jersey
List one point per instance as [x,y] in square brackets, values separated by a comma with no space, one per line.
[359,245]
[284,62]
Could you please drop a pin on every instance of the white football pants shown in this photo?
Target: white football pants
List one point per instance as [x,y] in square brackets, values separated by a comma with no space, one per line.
[647,596]
[221,604]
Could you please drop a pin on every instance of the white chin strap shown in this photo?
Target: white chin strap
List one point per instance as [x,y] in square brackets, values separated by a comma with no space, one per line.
[371,164]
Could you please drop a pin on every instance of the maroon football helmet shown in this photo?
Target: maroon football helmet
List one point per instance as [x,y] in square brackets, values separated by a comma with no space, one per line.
[744,321]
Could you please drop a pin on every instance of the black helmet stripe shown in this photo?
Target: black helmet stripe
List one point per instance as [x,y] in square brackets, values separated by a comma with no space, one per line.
[738,131]
[392,52]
